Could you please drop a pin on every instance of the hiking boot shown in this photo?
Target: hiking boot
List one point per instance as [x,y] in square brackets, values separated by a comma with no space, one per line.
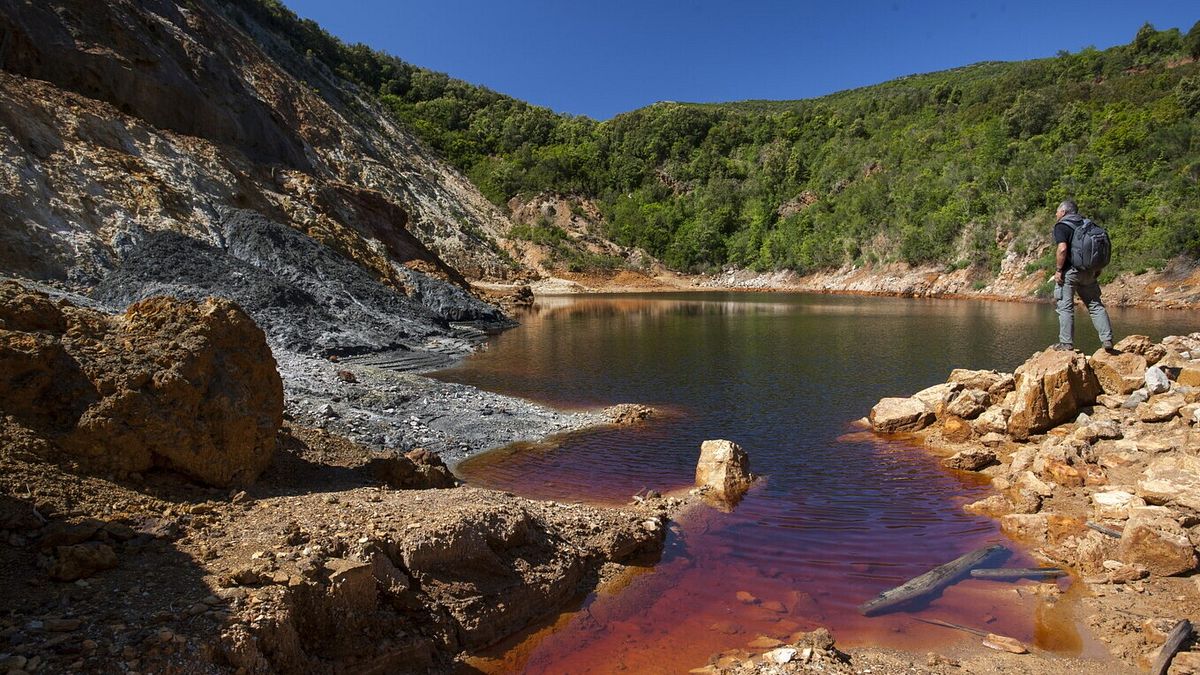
[1108,346]
[1063,347]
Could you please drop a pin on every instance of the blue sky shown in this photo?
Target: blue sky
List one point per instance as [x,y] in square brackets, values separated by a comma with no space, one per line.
[603,58]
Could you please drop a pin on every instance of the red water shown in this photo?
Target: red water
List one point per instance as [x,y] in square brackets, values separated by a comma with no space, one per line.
[840,516]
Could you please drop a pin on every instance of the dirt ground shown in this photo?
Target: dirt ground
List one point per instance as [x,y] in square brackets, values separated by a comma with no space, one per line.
[271,578]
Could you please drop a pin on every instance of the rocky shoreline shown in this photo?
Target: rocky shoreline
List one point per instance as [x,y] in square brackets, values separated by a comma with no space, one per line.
[1175,287]
[1096,465]
[1094,459]
[162,509]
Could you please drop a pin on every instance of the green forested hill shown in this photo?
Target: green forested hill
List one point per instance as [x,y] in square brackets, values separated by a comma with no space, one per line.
[952,167]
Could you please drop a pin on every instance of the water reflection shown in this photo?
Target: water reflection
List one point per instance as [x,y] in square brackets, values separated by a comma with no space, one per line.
[841,516]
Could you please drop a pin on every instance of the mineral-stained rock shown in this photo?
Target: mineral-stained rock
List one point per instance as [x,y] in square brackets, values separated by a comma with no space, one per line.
[724,468]
[1185,663]
[1160,409]
[992,420]
[938,394]
[1029,481]
[956,430]
[1118,374]
[1025,501]
[1141,345]
[1040,528]
[1189,375]
[191,386]
[971,459]
[419,469]
[1190,413]
[1154,540]
[1172,479]
[1064,474]
[1051,387]
[1098,430]
[1115,504]
[967,404]
[993,439]
[1002,388]
[82,560]
[893,415]
[981,380]
[994,506]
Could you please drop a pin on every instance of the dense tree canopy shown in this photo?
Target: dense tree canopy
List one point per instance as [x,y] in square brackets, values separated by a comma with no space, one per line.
[952,167]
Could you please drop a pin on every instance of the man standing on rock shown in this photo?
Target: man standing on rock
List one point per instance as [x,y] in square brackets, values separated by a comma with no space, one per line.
[1069,280]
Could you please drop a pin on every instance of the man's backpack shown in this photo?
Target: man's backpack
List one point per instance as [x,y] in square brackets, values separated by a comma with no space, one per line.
[1090,247]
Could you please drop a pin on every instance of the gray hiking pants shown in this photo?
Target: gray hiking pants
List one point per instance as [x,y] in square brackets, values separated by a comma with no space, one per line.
[1084,283]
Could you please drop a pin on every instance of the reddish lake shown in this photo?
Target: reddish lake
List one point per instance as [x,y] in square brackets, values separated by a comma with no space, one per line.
[841,515]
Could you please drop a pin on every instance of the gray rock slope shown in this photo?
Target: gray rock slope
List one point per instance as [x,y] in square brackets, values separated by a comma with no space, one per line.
[306,297]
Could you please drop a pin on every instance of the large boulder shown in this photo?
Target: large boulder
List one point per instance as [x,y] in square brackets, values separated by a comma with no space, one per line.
[190,386]
[1154,540]
[1119,374]
[894,415]
[724,469]
[1172,479]
[1050,388]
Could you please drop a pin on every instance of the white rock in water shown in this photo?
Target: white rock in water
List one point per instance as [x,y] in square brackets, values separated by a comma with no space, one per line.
[1156,380]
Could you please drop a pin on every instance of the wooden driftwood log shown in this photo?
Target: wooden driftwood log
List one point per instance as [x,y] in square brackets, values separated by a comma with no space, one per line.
[929,582]
[1175,639]
[1012,573]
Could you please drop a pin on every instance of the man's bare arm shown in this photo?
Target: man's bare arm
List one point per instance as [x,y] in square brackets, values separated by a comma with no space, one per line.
[1060,262]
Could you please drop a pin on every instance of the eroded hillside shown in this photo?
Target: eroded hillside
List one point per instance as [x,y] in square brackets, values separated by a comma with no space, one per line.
[125,117]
